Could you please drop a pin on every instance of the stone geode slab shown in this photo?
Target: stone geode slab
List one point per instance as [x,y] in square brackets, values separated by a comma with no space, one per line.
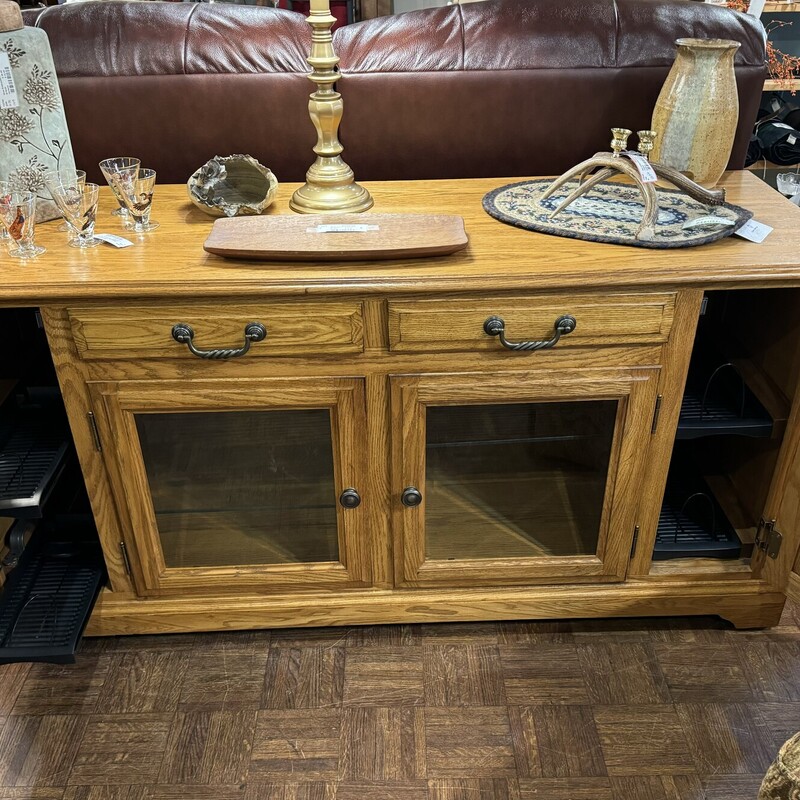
[34,138]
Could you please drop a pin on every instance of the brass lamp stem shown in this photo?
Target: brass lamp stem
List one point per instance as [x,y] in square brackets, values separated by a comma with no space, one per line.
[330,184]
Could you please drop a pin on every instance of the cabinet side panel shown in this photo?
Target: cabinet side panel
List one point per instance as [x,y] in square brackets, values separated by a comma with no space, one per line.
[72,382]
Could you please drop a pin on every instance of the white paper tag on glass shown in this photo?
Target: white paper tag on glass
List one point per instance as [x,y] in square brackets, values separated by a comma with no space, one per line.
[358,228]
[756,8]
[754,231]
[707,222]
[8,90]
[646,172]
[113,240]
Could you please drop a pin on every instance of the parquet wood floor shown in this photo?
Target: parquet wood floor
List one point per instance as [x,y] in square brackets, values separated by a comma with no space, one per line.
[675,709]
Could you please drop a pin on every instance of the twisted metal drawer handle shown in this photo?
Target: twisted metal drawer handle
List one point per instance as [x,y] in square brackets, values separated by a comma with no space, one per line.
[253,332]
[564,325]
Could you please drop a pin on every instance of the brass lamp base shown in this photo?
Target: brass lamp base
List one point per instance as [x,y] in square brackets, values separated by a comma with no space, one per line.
[331,196]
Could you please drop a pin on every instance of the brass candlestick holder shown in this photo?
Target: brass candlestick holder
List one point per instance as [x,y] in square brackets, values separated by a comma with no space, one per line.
[613,162]
[330,185]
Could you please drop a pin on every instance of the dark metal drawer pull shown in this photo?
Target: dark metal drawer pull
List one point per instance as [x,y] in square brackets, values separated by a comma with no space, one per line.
[253,332]
[411,497]
[496,326]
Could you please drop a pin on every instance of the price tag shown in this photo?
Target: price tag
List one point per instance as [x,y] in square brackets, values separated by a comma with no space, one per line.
[707,222]
[792,139]
[754,231]
[646,172]
[113,240]
[343,228]
[8,90]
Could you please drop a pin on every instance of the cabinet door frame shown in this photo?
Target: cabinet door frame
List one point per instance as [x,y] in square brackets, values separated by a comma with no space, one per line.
[115,405]
[635,389]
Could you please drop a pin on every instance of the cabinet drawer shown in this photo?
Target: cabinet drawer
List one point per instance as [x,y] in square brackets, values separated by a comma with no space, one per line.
[293,329]
[626,319]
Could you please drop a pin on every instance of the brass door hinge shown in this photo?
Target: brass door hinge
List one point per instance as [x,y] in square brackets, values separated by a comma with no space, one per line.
[635,541]
[768,539]
[656,413]
[125,560]
[95,433]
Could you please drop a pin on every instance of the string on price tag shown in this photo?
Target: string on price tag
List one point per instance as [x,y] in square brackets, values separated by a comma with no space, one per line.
[8,90]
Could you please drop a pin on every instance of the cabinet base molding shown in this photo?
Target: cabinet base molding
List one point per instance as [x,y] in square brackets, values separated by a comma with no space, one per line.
[746,604]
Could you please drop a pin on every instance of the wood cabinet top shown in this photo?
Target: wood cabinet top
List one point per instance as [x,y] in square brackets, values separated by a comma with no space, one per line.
[171,262]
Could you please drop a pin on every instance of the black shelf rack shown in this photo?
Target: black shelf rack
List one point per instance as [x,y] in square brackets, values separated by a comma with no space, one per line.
[49,596]
[692,524]
[717,402]
[34,449]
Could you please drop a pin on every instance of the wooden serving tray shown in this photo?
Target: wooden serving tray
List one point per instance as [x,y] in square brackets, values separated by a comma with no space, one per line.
[337,237]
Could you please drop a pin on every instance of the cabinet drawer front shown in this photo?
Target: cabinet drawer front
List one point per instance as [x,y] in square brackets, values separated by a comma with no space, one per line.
[425,325]
[116,332]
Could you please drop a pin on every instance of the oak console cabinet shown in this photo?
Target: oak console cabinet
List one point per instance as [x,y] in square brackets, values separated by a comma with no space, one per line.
[379,456]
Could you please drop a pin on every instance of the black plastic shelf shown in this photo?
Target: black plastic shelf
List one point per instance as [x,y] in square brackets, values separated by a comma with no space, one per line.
[717,402]
[48,599]
[692,523]
[33,452]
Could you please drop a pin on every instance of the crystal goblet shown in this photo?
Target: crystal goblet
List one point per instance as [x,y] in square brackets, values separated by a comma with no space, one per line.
[18,215]
[6,187]
[78,206]
[66,177]
[138,196]
[127,168]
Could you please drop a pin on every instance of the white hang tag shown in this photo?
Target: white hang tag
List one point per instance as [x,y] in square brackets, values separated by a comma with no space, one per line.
[8,90]
[113,240]
[358,228]
[776,104]
[706,222]
[756,8]
[646,172]
[791,139]
[754,231]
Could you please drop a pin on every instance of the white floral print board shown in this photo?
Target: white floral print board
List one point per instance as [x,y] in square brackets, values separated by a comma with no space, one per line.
[34,138]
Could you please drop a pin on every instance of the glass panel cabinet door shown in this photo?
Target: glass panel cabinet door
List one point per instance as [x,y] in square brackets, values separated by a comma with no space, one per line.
[518,478]
[228,484]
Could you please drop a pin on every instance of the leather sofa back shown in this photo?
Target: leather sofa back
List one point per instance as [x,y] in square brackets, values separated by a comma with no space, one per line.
[499,88]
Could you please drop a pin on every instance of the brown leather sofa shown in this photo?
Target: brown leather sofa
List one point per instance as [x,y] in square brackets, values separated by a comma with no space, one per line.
[501,88]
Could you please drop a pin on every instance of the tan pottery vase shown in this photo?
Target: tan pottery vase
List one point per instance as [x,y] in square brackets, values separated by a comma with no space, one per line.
[698,109]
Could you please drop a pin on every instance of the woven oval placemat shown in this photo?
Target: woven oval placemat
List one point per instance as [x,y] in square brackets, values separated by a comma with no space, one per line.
[610,212]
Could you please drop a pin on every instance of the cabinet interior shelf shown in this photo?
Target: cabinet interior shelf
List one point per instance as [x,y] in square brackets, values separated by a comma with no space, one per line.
[772,85]
[781,8]
[692,523]
[719,401]
[33,452]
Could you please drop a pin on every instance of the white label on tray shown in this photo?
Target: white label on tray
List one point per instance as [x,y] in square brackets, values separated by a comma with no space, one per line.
[754,231]
[703,222]
[357,228]
[113,240]
[646,172]
[8,90]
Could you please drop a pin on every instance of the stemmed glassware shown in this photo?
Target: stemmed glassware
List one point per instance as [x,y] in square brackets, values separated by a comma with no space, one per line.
[65,177]
[137,194]
[18,217]
[6,187]
[78,206]
[125,169]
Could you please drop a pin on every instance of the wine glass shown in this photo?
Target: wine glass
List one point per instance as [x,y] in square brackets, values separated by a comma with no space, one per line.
[66,177]
[5,190]
[78,206]
[127,169]
[18,216]
[137,194]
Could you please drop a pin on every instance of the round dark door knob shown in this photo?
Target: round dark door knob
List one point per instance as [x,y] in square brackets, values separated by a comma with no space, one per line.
[411,497]
[350,498]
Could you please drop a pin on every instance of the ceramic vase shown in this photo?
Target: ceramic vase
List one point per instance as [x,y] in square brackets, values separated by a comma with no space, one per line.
[698,109]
